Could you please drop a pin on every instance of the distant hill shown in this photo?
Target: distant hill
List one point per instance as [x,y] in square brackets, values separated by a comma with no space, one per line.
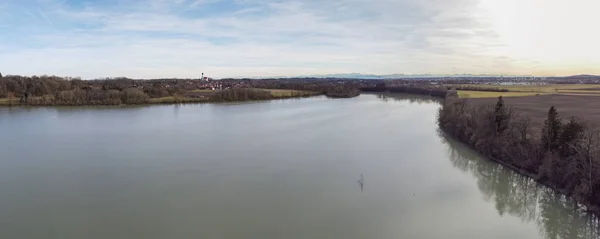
[582,76]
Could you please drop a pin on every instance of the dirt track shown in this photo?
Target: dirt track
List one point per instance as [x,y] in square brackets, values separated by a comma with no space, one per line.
[586,108]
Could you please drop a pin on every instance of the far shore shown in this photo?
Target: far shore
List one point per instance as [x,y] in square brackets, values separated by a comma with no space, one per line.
[191,97]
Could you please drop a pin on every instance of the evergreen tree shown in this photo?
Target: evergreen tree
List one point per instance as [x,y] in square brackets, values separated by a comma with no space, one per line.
[551,130]
[500,116]
[571,133]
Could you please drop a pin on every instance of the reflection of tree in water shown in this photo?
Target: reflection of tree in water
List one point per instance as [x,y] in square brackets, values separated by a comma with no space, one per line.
[520,196]
[412,98]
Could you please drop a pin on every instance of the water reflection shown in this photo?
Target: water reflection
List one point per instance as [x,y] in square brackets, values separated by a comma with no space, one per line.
[519,196]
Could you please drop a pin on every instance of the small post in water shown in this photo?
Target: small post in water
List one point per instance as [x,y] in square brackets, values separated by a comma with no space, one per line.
[361,182]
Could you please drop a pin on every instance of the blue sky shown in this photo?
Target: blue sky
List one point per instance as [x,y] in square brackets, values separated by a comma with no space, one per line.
[232,38]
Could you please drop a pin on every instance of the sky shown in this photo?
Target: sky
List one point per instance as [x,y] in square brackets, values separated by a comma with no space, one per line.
[254,38]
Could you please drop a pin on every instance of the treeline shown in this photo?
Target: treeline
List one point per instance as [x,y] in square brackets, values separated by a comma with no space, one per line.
[93,97]
[241,94]
[422,89]
[302,85]
[53,90]
[334,88]
[564,155]
[342,92]
[84,97]
[315,85]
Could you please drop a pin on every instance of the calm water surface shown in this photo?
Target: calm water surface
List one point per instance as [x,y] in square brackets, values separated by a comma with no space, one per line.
[276,169]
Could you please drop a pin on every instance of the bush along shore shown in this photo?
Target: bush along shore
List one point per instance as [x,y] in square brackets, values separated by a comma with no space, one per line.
[564,154]
[342,93]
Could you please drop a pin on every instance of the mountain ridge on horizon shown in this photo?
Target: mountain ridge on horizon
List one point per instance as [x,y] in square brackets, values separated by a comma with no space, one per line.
[365,76]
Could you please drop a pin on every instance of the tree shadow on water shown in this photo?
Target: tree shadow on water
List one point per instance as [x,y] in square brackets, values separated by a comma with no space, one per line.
[519,196]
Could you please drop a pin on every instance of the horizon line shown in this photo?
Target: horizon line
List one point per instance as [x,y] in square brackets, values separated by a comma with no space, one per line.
[333,75]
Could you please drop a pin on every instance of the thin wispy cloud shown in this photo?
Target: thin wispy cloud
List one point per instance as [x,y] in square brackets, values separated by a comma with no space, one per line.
[223,38]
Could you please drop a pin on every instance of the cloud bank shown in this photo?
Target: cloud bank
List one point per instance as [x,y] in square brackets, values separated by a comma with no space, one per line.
[232,38]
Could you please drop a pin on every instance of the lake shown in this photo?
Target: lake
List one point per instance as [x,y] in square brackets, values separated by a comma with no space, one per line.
[270,169]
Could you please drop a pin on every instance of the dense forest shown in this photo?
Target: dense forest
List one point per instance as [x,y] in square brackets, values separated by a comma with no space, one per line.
[564,154]
[52,90]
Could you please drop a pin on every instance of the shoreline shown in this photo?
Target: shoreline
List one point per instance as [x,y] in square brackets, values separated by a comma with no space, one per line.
[531,175]
[537,176]
[585,205]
